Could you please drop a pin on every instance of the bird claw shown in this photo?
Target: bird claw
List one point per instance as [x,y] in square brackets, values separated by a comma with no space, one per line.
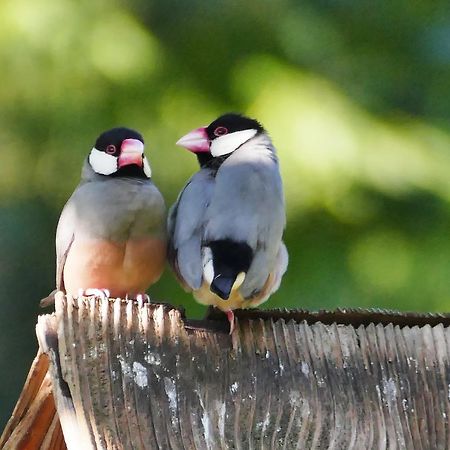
[92,292]
[142,298]
[230,316]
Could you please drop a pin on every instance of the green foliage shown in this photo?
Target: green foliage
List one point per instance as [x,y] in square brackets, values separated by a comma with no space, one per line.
[356,96]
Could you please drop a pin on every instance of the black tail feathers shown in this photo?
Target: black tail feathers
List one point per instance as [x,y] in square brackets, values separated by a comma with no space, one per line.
[230,258]
[221,286]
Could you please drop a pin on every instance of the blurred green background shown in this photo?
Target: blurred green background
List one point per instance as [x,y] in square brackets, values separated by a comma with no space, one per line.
[355,94]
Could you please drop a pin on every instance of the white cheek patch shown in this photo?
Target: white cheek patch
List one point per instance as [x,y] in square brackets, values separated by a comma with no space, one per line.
[147,168]
[102,163]
[228,143]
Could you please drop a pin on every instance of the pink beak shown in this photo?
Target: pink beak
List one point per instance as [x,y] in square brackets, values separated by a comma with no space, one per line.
[131,152]
[196,141]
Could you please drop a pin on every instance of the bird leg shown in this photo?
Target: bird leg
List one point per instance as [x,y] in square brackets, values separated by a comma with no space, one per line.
[230,316]
[93,292]
[143,298]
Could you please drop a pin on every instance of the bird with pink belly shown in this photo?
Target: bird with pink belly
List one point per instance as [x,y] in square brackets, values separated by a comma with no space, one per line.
[225,230]
[111,236]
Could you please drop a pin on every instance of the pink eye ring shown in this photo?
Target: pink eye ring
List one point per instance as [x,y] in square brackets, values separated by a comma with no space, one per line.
[111,149]
[220,131]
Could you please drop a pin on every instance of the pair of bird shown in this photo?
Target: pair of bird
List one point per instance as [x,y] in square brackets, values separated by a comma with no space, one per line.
[223,236]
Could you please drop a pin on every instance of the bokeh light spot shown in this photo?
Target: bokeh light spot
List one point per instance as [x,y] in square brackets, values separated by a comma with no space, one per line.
[382,260]
[121,49]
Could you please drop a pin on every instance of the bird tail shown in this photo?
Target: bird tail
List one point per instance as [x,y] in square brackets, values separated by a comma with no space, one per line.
[228,262]
[49,300]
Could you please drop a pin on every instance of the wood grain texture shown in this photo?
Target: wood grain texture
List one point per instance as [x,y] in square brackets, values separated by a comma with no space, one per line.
[144,377]
[34,423]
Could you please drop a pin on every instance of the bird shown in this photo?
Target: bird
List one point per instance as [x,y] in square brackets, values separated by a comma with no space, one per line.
[111,236]
[225,229]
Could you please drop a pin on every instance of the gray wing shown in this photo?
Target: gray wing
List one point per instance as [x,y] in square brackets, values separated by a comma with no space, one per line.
[65,235]
[185,227]
[171,250]
[280,267]
[248,206]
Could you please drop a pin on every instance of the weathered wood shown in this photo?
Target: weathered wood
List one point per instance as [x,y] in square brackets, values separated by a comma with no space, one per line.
[143,377]
[75,435]
[34,423]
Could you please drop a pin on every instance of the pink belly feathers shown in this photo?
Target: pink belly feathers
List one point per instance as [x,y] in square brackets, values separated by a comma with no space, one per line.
[127,268]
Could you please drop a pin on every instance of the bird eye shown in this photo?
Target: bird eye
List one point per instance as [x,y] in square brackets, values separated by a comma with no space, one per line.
[220,131]
[111,149]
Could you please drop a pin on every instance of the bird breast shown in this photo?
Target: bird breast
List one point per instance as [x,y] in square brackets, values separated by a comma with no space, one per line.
[124,268]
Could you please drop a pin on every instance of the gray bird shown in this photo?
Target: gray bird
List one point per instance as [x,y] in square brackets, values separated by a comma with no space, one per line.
[111,236]
[225,229]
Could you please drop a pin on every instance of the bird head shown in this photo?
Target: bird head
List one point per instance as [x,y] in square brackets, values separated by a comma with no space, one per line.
[221,137]
[119,152]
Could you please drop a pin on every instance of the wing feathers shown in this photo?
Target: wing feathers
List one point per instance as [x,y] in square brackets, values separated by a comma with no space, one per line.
[238,212]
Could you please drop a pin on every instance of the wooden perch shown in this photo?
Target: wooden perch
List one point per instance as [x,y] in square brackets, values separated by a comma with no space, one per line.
[34,423]
[129,376]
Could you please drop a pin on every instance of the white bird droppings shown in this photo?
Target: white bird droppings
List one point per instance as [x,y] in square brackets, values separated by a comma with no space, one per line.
[140,375]
[390,390]
[171,393]
[153,359]
[138,372]
[126,369]
[221,408]
[206,422]
[266,421]
[305,369]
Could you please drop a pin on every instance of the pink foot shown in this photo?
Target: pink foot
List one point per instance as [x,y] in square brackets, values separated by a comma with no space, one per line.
[92,292]
[142,298]
[230,316]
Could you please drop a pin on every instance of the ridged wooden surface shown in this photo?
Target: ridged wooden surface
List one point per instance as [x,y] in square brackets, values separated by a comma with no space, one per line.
[34,423]
[141,378]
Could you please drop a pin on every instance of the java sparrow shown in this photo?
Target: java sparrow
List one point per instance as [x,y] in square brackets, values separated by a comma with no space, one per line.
[225,229]
[111,236]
